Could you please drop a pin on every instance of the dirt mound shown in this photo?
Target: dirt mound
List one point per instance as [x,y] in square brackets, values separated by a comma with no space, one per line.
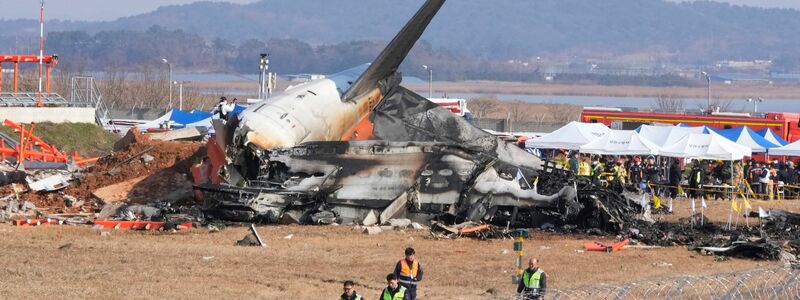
[165,166]
[141,171]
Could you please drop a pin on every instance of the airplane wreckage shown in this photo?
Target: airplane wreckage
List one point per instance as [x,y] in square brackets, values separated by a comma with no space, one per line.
[358,143]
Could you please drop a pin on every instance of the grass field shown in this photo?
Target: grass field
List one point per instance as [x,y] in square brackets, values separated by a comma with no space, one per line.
[88,139]
[77,262]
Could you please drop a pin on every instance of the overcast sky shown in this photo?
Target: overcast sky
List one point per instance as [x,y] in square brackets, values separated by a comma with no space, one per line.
[94,10]
[90,10]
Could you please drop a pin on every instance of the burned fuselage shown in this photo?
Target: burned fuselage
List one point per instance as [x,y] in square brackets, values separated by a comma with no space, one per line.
[421,180]
[357,144]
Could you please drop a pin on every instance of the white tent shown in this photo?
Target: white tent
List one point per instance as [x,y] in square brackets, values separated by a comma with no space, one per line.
[668,135]
[706,146]
[572,136]
[620,142]
[655,134]
[792,149]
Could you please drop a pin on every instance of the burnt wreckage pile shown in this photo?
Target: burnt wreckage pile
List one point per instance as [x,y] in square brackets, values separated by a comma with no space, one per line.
[437,164]
[358,146]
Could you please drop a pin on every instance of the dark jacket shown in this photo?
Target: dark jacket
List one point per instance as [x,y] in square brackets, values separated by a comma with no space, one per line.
[697,172]
[419,272]
[635,173]
[344,297]
[674,174]
[542,282]
[651,173]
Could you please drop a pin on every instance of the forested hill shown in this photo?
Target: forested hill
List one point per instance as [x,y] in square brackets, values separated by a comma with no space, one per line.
[687,32]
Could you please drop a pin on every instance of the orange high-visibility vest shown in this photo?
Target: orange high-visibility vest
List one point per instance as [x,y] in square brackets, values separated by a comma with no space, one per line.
[407,271]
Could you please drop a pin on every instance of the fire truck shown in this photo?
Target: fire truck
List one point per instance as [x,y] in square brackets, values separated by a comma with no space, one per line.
[455,105]
[786,125]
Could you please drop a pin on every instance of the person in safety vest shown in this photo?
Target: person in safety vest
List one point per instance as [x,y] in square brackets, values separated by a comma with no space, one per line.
[584,167]
[350,292]
[534,281]
[409,272]
[393,290]
[597,171]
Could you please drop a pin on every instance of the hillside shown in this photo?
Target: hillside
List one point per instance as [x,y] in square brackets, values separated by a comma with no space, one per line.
[508,29]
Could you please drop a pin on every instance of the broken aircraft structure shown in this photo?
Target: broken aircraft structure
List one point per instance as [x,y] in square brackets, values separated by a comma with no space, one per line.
[358,143]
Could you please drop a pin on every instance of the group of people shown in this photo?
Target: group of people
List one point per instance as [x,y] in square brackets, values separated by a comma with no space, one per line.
[400,284]
[765,179]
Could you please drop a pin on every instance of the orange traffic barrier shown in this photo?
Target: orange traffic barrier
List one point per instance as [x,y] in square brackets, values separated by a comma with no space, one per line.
[37,222]
[138,225]
[599,246]
[475,229]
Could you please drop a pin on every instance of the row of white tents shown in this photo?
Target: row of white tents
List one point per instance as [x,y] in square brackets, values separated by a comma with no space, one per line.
[670,141]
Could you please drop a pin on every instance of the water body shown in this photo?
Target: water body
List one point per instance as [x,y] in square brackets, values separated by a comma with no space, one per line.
[777,105]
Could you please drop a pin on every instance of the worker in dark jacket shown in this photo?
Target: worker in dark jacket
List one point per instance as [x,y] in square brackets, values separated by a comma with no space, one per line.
[350,292]
[409,272]
[534,281]
[674,178]
[393,290]
[696,179]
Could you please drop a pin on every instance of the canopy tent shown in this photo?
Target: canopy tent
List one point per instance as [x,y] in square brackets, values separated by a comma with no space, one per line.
[180,119]
[572,136]
[792,149]
[668,135]
[770,136]
[620,142]
[706,146]
[655,134]
[747,137]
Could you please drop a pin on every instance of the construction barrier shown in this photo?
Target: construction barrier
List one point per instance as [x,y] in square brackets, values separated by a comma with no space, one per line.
[32,148]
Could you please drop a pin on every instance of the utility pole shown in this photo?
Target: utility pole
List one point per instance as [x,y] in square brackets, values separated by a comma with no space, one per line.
[755,103]
[180,93]
[708,91]
[264,78]
[430,80]
[170,82]
[41,52]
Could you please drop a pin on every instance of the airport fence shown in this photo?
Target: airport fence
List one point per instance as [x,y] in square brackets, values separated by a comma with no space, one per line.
[777,283]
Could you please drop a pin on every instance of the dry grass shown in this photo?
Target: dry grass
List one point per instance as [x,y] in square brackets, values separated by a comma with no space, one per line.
[313,263]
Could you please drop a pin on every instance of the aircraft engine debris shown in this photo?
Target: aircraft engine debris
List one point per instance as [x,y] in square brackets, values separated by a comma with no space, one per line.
[336,149]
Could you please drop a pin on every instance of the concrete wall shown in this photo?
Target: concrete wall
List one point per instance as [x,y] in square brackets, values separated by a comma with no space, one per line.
[48,114]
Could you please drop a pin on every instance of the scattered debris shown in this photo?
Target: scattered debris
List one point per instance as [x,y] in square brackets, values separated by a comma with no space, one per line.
[252,238]
[181,134]
[50,184]
[138,225]
[662,264]
[288,237]
[372,230]
[600,246]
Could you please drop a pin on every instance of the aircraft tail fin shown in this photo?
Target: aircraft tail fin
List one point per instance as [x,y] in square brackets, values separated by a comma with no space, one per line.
[394,53]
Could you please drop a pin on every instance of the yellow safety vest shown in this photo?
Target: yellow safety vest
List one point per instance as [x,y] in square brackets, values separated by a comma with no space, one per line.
[584,169]
[399,296]
[532,281]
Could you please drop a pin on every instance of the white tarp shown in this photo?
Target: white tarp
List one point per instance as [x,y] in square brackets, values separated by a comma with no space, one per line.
[792,149]
[572,136]
[620,142]
[706,146]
